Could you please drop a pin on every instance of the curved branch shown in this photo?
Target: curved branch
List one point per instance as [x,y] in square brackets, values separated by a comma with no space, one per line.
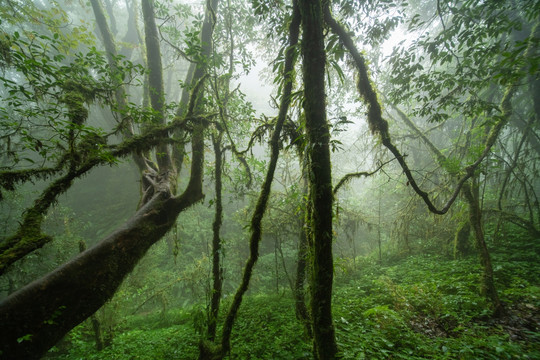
[351,176]
[176,48]
[380,126]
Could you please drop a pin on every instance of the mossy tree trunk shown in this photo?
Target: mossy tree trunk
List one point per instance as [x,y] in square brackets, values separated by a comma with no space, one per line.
[155,79]
[301,310]
[96,324]
[217,271]
[462,240]
[320,179]
[475,218]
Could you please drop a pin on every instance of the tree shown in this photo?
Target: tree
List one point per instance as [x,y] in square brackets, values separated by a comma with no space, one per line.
[30,330]
[319,179]
[498,116]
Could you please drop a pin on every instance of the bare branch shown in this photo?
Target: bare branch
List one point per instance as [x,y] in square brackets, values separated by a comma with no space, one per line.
[351,176]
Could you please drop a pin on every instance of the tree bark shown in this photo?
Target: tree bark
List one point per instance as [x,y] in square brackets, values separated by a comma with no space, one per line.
[155,78]
[96,324]
[461,240]
[302,313]
[217,271]
[475,218]
[37,316]
[320,179]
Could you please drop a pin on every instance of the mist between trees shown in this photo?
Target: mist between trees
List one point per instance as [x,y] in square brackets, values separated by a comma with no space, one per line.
[229,179]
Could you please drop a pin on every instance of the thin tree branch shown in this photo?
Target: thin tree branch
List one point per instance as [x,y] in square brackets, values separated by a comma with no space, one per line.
[351,176]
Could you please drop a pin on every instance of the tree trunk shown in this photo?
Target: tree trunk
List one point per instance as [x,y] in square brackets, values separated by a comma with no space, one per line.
[155,78]
[475,218]
[217,271]
[461,240]
[96,325]
[302,313]
[320,179]
[37,316]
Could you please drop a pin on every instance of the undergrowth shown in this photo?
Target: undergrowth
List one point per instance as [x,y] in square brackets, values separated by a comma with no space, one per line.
[422,307]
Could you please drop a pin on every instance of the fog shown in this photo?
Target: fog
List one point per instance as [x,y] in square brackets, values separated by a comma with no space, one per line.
[149,181]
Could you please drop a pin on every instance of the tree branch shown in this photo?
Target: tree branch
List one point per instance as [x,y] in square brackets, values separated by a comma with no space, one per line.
[351,176]
[380,126]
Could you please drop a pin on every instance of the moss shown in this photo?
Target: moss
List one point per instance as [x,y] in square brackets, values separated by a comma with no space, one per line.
[87,93]
[9,179]
[16,247]
[77,112]
[5,49]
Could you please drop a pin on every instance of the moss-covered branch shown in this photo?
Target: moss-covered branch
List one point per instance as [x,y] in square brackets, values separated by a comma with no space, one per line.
[380,126]
[10,178]
[60,292]
[348,177]
[29,237]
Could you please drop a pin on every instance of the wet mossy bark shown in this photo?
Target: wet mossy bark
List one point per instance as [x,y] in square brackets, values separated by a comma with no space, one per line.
[301,310]
[155,78]
[96,324]
[320,179]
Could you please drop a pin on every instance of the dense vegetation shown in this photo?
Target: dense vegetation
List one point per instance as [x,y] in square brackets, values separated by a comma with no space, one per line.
[381,311]
[269,179]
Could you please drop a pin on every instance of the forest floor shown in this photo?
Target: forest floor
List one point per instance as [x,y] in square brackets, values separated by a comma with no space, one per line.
[420,307]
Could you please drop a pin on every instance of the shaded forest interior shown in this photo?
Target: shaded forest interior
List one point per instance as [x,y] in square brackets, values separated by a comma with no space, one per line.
[287,179]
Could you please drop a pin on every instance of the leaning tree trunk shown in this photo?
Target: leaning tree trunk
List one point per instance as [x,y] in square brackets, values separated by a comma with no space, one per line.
[37,316]
[320,179]
[96,324]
